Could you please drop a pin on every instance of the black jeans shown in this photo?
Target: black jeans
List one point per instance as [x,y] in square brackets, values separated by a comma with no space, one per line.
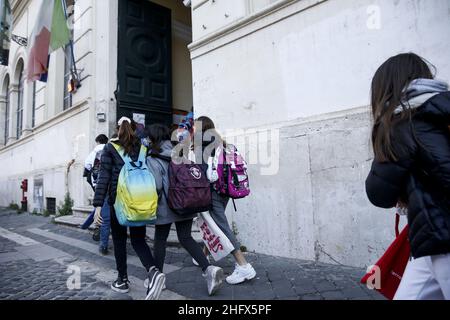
[137,235]
[184,230]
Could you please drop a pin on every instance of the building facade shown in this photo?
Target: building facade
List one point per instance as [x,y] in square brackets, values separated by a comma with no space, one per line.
[143,71]
[291,74]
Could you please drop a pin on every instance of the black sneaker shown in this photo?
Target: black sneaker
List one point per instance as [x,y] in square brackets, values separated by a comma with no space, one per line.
[121,285]
[104,251]
[156,282]
[96,235]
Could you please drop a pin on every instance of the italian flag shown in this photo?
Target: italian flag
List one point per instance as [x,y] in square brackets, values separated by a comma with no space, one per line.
[49,33]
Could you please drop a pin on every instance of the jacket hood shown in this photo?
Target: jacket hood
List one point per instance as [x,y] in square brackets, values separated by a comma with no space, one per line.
[420,91]
[166,148]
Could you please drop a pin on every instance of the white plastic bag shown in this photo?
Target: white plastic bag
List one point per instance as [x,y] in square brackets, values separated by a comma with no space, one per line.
[219,246]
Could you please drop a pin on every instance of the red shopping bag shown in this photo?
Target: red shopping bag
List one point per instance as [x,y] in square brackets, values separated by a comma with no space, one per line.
[392,264]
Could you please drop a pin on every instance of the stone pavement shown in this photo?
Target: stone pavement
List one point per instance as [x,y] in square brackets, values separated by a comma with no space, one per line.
[38,259]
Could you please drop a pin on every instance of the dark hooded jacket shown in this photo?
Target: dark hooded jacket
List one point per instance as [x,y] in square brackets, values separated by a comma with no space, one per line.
[421,176]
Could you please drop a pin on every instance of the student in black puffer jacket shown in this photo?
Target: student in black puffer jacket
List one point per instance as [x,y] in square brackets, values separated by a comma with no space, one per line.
[111,165]
[411,141]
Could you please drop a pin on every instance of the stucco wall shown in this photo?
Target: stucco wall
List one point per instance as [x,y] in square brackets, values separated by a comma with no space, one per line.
[314,61]
[315,207]
[305,68]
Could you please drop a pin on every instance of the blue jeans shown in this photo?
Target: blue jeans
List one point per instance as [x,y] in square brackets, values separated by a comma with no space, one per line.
[104,228]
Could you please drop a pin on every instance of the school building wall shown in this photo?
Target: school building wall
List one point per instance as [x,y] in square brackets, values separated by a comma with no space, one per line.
[304,68]
[43,152]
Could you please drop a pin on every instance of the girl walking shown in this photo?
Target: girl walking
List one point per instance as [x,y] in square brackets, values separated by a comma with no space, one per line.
[411,141]
[111,165]
[211,140]
[158,164]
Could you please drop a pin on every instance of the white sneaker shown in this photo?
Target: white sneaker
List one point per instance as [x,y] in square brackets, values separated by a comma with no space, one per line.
[146,284]
[214,276]
[156,282]
[209,258]
[241,274]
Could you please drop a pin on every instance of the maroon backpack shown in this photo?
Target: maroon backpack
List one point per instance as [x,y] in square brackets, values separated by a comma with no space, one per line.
[189,188]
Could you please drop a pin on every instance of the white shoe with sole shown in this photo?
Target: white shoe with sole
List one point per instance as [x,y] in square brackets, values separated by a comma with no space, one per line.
[156,282]
[146,284]
[214,279]
[241,274]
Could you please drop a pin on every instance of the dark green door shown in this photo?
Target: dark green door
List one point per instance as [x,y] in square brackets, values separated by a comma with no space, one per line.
[144,61]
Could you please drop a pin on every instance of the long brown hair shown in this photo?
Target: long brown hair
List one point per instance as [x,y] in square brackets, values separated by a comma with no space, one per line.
[208,125]
[127,136]
[388,92]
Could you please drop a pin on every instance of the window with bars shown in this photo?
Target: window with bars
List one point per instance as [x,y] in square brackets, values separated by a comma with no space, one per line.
[7,110]
[20,103]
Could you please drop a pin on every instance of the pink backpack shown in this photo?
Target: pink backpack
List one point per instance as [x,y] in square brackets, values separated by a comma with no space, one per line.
[232,174]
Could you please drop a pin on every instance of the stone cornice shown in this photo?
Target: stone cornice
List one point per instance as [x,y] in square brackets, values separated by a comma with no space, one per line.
[67,114]
[273,13]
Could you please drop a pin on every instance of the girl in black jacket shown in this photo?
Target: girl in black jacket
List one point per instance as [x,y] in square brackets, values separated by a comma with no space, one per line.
[411,142]
[111,165]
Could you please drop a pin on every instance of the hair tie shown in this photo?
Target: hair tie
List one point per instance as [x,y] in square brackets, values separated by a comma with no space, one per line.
[124,119]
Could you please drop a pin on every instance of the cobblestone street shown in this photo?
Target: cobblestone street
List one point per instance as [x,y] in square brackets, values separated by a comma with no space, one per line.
[37,257]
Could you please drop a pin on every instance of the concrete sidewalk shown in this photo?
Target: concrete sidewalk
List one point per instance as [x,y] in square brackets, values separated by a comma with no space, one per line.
[37,257]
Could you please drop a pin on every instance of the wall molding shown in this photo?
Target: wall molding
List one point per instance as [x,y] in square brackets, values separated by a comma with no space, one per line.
[61,117]
[241,28]
[198,4]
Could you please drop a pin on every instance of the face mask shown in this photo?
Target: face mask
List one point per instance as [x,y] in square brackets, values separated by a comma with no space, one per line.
[182,135]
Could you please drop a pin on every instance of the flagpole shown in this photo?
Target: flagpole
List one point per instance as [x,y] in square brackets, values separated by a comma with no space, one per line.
[74,70]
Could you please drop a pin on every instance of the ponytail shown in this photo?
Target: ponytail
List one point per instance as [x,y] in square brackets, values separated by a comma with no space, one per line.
[127,137]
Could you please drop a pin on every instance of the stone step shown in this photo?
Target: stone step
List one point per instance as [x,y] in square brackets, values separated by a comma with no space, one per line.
[82,211]
[72,221]
[76,221]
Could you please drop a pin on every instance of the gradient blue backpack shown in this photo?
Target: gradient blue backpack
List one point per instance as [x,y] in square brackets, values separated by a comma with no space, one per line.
[137,198]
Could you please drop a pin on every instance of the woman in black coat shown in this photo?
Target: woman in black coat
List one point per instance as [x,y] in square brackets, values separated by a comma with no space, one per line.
[411,142]
[111,165]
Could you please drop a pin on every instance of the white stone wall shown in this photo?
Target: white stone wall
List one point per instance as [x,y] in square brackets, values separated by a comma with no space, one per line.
[305,68]
[45,150]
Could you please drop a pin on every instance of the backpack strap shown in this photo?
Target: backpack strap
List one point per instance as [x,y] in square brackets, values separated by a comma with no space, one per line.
[119,150]
[163,158]
[141,159]
[142,154]
[234,205]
